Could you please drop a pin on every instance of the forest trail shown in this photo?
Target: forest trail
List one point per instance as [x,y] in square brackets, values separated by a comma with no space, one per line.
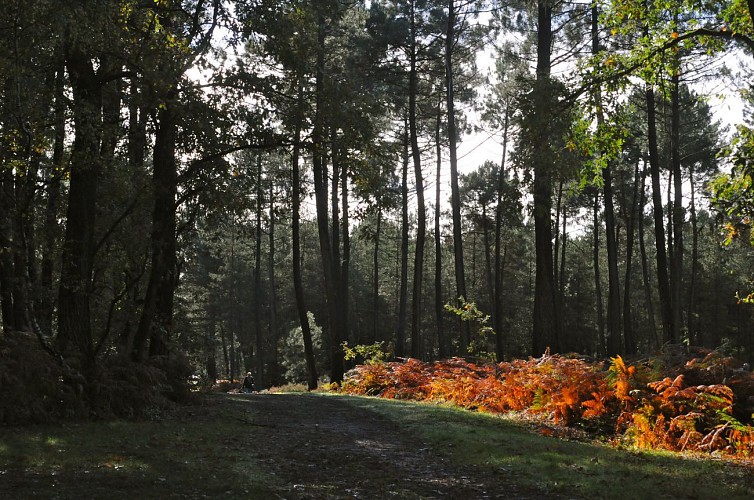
[330,447]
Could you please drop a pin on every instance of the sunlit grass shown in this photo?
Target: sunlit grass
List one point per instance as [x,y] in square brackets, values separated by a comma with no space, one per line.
[521,455]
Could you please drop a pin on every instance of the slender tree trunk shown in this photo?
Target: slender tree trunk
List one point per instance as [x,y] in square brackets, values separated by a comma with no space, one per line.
[376,274]
[628,329]
[400,339]
[455,196]
[74,316]
[346,259]
[274,370]
[663,285]
[260,379]
[546,321]
[644,264]
[442,342]
[691,313]
[421,211]
[498,304]
[155,324]
[614,344]
[51,229]
[676,274]
[597,274]
[311,368]
[320,194]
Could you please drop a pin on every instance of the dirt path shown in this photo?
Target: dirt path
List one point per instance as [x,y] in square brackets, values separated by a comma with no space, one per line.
[258,446]
[327,447]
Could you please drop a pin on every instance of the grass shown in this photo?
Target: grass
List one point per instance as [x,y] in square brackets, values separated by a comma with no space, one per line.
[182,458]
[560,467]
[230,448]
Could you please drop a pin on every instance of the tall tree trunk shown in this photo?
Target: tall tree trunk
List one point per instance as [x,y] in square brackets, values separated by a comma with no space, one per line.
[676,275]
[346,258]
[546,318]
[311,368]
[442,341]
[498,304]
[644,263]
[156,321]
[614,344]
[628,330]
[45,308]
[74,315]
[421,211]
[663,284]
[691,313]
[320,194]
[376,274]
[260,379]
[400,339]
[597,274]
[274,371]
[455,196]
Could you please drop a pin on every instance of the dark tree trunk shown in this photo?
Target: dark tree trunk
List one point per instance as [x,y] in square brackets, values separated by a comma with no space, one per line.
[51,230]
[400,338]
[376,275]
[628,329]
[614,344]
[691,313]
[260,379]
[644,264]
[546,318]
[156,321]
[274,377]
[421,211]
[676,276]
[311,368]
[498,304]
[597,274]
[346,257]
[442,342]
[663,285]
[455,196]
[74,315]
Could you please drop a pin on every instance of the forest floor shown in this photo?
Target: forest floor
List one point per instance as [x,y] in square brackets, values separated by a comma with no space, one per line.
[315,446]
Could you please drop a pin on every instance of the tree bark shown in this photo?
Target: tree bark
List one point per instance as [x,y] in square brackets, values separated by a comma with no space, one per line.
[421,211]
[455,196]
[156,321]
[644,264]
[260,379]
[676,274]
[663,285]
[400,339]
[597,274]
[74,315]
[546,318]
[498,304]
[442,343]
[628,330]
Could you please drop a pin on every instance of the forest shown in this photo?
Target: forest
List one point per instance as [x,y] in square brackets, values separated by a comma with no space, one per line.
[200,188]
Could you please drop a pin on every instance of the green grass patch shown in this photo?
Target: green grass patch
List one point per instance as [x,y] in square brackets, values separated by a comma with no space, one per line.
[520,455]
[180,458]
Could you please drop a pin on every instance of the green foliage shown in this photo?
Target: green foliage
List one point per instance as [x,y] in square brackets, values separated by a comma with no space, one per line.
[468,312]
[292,351]
[369,354]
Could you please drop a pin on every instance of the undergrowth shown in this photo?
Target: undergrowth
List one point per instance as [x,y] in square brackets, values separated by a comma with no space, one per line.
[37,388]
[700,403]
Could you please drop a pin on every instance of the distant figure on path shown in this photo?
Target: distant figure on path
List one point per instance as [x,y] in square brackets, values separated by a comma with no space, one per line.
[248,383]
